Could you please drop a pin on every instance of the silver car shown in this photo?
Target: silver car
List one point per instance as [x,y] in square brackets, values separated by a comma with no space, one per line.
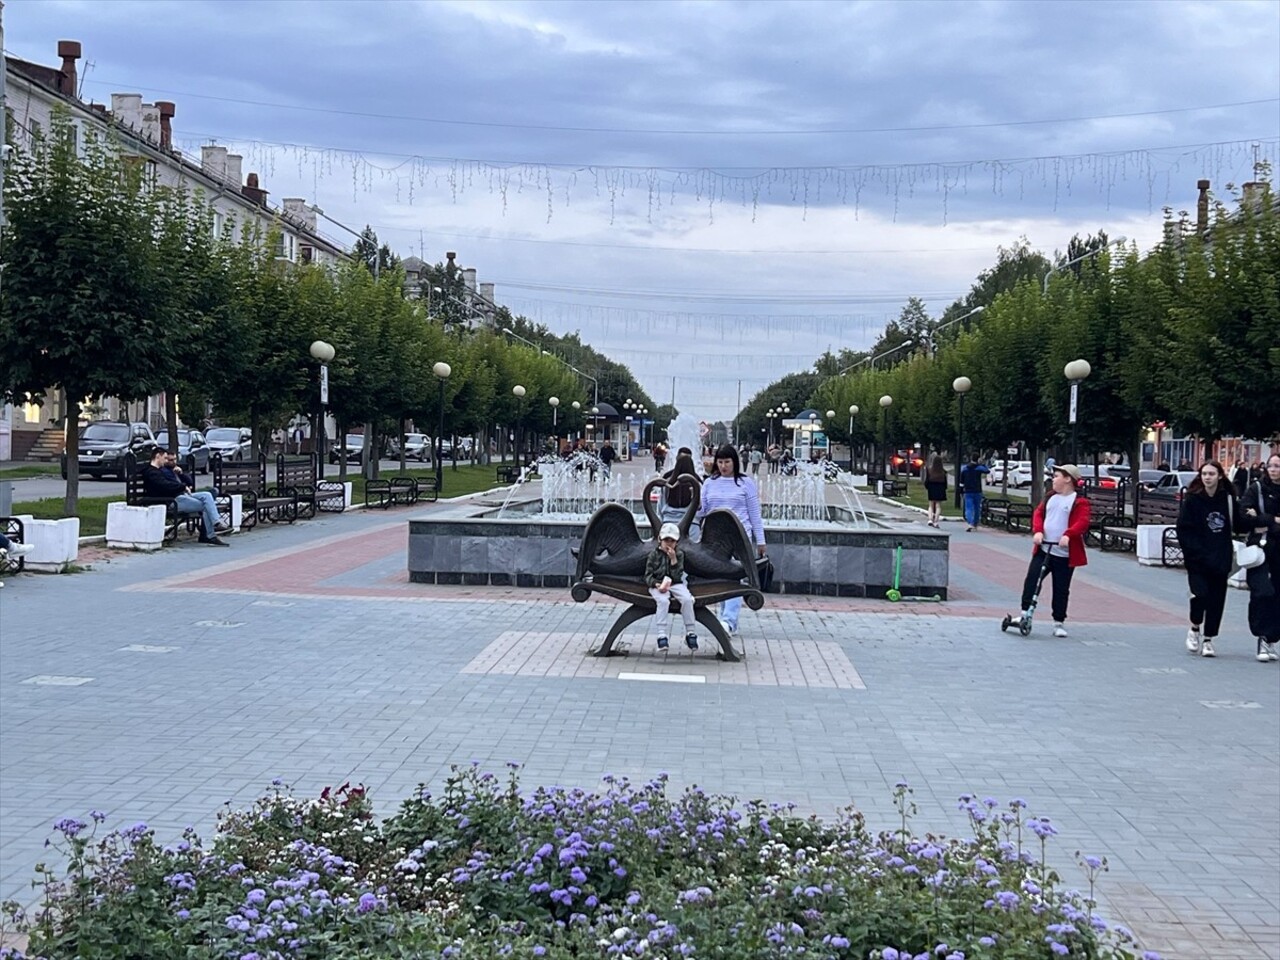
[230,443]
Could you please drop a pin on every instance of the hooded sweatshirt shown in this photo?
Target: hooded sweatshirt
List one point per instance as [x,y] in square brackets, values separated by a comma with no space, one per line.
[1204,530]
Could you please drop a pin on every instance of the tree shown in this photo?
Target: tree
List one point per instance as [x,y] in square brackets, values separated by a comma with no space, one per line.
[80,301]
[377,259]
[910,332]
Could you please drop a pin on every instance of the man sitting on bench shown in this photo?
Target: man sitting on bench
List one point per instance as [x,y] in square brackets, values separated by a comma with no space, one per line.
[160,481]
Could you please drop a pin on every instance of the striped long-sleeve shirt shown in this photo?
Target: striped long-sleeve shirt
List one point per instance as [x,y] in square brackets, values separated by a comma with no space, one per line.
[740,496]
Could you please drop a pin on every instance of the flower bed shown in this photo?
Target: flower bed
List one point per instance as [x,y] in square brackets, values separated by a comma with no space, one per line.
[486,871]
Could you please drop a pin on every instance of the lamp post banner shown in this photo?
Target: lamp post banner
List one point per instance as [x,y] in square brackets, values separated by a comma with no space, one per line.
[324,383]
[1075,400]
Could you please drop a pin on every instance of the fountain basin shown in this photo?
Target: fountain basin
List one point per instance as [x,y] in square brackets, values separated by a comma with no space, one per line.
[823,560]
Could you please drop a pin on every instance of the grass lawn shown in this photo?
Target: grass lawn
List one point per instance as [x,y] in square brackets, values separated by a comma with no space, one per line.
[466,479]
[92,510]
[30,470]
[916,498]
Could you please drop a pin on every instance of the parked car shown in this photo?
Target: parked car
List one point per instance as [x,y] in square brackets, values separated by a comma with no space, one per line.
[104,445]
[1019,473]
[1107,477]
[193,450]
[909,462]
[1171,485]
[417,446]
[351,449]
[230,443]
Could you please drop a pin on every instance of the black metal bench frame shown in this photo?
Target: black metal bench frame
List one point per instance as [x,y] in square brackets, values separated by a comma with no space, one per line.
[1013,517]
[299,476]
[389,491]
[895,488]
[174,519]
[248,479]
[15,530]
[633,591]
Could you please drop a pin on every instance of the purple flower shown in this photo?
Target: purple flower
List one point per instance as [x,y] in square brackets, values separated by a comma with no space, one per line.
[1058,948]
[539,950]
[888,953]
[367,902]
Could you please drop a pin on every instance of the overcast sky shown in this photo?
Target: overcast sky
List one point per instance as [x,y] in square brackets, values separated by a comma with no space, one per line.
[751,182]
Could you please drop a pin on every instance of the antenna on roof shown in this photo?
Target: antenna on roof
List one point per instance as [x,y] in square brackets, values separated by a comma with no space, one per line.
[88,65]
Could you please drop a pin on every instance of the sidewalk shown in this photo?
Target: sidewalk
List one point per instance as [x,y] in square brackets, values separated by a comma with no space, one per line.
[156,688]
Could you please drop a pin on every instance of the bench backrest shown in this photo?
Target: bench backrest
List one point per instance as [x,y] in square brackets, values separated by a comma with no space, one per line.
[134,493]
[240,476]
[297,471]
[1158,510]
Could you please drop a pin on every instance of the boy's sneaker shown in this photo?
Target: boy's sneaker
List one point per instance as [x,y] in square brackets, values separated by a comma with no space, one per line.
[1206,648]
[1263,656]
[20,549]
[662,643]
[1193,642]
[1272,652]
[691,641]
[1059,630]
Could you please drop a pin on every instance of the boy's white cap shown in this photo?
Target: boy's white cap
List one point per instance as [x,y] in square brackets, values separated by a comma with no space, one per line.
[669,531]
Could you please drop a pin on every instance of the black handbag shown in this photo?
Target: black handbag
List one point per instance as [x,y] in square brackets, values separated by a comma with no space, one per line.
[764,572]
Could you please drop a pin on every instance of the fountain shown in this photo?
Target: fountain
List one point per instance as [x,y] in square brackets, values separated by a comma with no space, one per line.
[820,537]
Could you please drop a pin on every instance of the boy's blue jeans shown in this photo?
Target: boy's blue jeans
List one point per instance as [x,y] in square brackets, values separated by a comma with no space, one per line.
[972,508]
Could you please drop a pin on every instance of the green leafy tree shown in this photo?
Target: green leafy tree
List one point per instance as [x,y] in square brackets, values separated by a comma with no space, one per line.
[81,304]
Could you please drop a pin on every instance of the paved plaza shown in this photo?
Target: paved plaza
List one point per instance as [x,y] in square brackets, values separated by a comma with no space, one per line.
[159,687]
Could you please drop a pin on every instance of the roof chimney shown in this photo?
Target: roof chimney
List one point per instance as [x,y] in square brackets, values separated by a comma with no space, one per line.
[167,110]
[69,51]
[1202,207]
[469,278]
[253,192]
[450,267]
[234,167]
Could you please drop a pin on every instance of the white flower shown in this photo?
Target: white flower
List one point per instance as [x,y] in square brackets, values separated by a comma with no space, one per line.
[621,933]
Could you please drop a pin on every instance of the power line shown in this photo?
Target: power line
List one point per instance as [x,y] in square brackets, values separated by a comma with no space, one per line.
[727,297]
[817,131]
[634,246]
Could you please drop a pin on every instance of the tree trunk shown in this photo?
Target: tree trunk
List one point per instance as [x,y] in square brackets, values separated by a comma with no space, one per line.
[340,445]
[71,427]
[402,467]
[1037,476]
[171,418]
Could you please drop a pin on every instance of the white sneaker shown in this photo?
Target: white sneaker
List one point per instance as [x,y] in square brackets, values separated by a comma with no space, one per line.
[20,549]
[1272,652]
[1193,642]
[1206,648]
[1264,652]
[1059,630]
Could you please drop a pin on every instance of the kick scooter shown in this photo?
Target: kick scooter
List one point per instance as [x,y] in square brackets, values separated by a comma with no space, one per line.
[1023,620]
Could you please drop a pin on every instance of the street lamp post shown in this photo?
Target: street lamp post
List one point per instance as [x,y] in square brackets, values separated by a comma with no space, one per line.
[885,403]
[576,408]
[826,426]
[595,419]
[324,352]
[771,413]
[1076,372]
[519,392]
[813,425]
[961,386]
[555,420]
[442,371]
[853,412]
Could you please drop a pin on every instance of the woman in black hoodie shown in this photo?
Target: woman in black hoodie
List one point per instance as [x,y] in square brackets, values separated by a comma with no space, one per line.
[1261,503]
[1208,518]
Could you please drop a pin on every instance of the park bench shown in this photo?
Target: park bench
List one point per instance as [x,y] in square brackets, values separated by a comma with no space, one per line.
[388,491]
[611,562]
[508,473]
[298,475]
[174,520]
[894,488]
[14,529]
[1011,515]
[248,479]
[1156,511]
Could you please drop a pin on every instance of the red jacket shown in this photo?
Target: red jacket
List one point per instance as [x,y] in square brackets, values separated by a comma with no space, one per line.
[1077,527]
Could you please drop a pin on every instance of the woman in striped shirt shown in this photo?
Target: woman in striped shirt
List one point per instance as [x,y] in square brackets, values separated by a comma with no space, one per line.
[731,489]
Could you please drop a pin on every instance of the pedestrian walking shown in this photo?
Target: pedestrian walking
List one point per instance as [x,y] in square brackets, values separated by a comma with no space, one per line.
[607,456]
[1262,507]
[665,577]
[971,482]
[731,489]
[1059,524]
[935,488]
[756,459]
[1206,522]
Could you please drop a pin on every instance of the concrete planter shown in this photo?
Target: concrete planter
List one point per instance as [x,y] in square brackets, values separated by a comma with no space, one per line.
[57,543]
[135,528]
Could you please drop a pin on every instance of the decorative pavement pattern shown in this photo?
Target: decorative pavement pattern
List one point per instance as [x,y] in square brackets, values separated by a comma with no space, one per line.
[159,687]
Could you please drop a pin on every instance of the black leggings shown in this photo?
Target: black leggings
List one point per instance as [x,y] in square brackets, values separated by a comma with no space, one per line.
[1208,599]
[1060,571]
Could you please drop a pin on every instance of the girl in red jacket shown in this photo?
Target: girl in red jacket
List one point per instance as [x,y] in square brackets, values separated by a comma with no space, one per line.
[1059,523]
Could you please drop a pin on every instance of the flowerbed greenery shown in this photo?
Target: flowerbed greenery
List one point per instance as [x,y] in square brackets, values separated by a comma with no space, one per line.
[486,871]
